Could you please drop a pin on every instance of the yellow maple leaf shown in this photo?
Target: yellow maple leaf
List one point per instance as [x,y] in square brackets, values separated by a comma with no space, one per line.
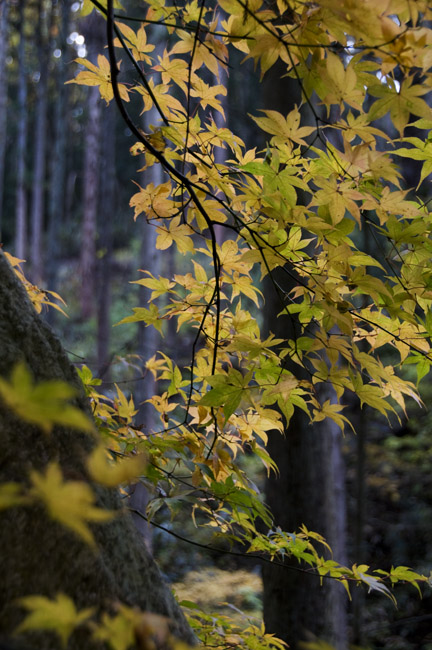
[106,472]
[177,232]
[154,201]
[137,42]
[99,76]
[59,615]
[72,503]
[44,404]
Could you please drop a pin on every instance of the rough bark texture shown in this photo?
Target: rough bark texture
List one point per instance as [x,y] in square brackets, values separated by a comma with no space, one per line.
[39,556]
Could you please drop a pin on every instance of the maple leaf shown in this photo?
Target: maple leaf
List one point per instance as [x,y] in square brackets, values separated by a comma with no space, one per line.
[203,54]
[400,103]
[284,128]
[154,201]
[175,70]
[150,316]
[137,42]
[72,503]
[99,76]
[342,86]
[421,150]
[165,99]
[207,95]
[58,615]
[111,473]
[44,404]
[160,286]
[177,232]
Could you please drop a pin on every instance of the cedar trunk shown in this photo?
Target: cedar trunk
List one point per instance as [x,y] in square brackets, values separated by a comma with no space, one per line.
[310,488]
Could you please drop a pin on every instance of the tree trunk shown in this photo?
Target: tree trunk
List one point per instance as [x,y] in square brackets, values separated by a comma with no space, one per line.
[3,98]
[94,35]
[148,339]
[21,146]
[39,160]
[107,215]
[56,192]
[310,488]
[38,555]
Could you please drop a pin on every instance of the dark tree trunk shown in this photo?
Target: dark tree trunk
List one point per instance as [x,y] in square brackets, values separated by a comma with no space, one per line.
[21,146]
[148,340]
[56,192]
[3,98]
[39,160]
[105,242]
[94,33]
[310,489]
[38,555]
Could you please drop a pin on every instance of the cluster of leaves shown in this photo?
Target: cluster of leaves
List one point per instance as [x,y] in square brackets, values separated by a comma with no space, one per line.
[220,631]
[40,298]
[297,208]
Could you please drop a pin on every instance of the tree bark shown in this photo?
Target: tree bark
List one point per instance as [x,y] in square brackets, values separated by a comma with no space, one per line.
[21,146]
[39,160]
[93,32]
[107,216]
[3,98]
[310,488]
[148,338]
[38,555]
[56,191]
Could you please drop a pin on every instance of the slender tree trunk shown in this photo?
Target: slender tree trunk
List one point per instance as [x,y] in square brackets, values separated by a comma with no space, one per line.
[92,160]
[38,555]
[90,203]
[106,220]
[56,193]
[21,146]
[148,342]
[39,161]
[3,98]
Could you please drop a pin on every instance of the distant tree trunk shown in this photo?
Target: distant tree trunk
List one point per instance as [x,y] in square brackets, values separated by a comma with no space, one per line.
[38,555]
[105,243]
[148,342]
[56,192]
[39,160]
[21,146]
[3,98]
[310,489]
[94,34]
